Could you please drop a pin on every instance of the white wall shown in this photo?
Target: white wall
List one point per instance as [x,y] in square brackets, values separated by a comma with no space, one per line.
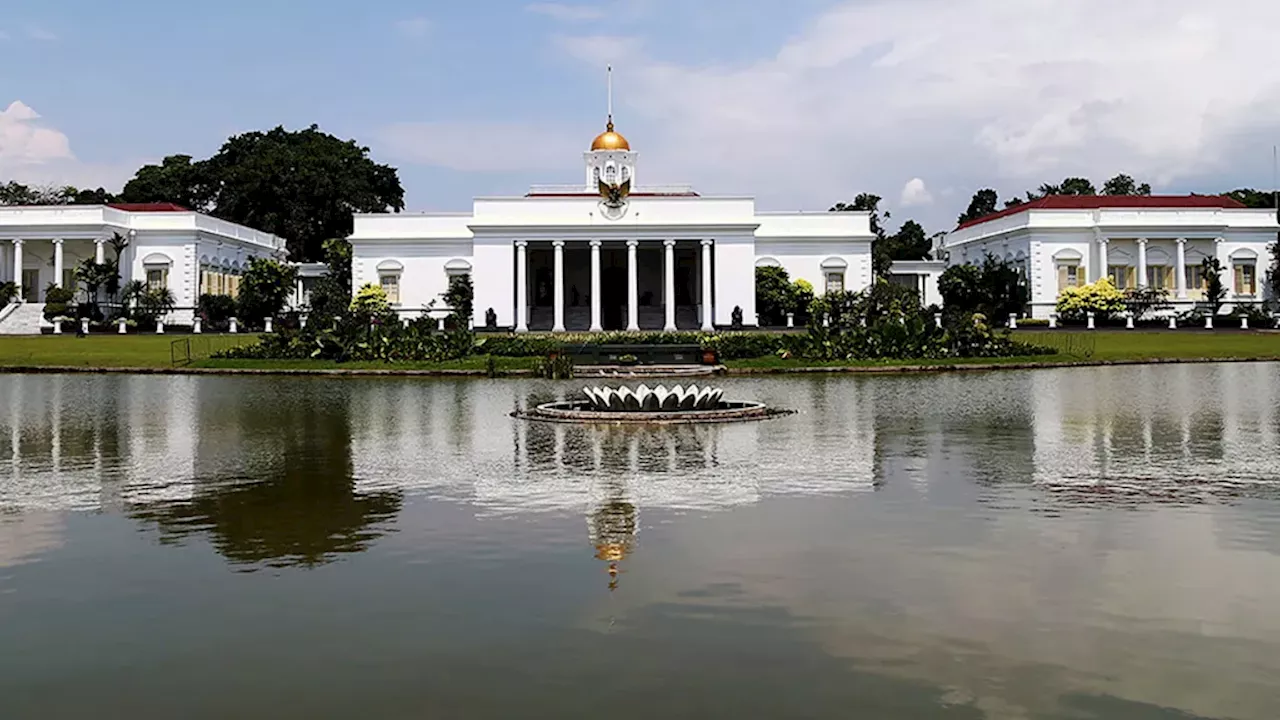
[735,278]
[803,259]
[423,279]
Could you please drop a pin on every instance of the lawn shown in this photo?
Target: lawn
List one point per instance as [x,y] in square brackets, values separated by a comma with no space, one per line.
[158,351]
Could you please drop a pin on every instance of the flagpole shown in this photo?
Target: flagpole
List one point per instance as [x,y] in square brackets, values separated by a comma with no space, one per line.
[609,85]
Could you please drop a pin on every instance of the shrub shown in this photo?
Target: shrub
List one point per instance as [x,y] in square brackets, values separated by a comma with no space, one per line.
[264,290]
[57,301]
[216,311]
[8,291]
[370,305]
[1214,291]
[774,295]
[1144,301]
[460,297]
[1101,297]
[802,298]
[995,289]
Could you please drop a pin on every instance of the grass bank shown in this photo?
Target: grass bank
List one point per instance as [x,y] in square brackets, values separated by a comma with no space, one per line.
[158,352]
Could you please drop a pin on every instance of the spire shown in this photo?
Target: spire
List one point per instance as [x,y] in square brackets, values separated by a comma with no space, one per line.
[609,85]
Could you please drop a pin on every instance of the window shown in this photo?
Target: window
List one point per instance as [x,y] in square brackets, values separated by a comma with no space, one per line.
[1070,276]
[69,279]
[1195,278]
[1246,279]
[1160,277]
[835,281]
[157,278]
[1122,276]
[390,283]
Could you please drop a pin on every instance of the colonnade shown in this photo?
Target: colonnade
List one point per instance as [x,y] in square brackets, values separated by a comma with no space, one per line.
[11,268]
[1180,267]
[633,297]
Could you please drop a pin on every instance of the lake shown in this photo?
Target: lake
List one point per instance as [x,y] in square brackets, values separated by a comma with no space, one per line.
[1065,543]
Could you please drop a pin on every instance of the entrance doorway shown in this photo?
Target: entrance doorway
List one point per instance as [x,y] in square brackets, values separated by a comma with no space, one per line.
[613,298]
[31,285]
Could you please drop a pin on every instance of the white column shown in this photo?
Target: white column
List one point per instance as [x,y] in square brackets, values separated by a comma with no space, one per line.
[557,301]
[1103,265]
[17,267]
[1228,282]
[522,279]
[669,286]
[706,286]
[1142,262]
[1180,272]
[633,287]
[99,250]
[57,262]
[596,325]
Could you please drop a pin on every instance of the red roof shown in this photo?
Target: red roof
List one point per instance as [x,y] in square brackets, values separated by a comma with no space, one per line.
[1096,202]
[148,207]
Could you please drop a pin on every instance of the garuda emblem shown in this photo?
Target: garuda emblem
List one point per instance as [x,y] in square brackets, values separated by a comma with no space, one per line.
[615,196]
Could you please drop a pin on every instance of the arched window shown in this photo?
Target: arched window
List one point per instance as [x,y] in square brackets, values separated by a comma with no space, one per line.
[157,267]
[389,273]
[833,270]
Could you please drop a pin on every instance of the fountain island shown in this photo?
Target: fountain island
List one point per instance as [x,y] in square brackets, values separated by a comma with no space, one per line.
[678,404]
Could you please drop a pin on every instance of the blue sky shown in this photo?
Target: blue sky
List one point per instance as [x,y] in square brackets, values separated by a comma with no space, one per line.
[802,103]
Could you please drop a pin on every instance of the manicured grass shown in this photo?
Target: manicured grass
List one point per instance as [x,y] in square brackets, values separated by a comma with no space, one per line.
[154,351]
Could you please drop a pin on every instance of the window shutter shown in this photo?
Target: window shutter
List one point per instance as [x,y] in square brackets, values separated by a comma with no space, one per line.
[1062,277]
[1239,286]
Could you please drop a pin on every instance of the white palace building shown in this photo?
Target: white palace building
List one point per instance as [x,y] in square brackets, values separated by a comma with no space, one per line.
[609,254]
[1153,241]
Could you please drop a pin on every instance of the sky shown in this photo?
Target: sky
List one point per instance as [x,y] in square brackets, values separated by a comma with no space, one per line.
[800,103]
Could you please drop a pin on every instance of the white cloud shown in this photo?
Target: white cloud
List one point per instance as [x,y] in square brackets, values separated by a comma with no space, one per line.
[24,142]
[35,32]
[1009,93]
[482,147]
[416,28]
[567,13]
[915,193]
[31,152]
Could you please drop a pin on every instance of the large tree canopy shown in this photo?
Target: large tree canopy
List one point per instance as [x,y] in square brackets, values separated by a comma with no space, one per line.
[985,201]
[15,193]
[301,185]
[983,204]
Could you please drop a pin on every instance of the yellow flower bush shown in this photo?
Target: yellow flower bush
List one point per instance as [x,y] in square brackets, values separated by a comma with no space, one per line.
[1101,297]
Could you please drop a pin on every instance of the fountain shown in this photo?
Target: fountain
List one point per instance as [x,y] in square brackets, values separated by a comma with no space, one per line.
[678,404]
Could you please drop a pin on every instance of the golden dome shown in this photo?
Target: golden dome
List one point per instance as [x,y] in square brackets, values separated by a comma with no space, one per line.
[610,140]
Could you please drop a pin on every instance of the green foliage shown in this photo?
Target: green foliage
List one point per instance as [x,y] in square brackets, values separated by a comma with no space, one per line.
[354,339]
[1143,302]
[554,367]
[983,204]
[881,258]
[301,185]
[994,289]
[1123,184]
[15,193]
[56,301]
[773,295]
[909,243]
[8,291]
[1101,297]
[802,297]
[265,288]
[460,296]
[331,294]
[370,304]
[216,311]
[1214,291]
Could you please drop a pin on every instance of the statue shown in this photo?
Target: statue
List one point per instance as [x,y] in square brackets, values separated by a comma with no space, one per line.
[490,319]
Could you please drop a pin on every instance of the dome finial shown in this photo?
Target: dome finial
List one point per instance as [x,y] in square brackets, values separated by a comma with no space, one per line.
[609,84]
[610,140]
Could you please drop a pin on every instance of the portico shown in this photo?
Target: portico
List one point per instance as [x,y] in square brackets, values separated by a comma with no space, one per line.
[607,254]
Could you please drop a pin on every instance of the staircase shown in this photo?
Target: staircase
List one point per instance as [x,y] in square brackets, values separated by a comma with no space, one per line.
[21,319]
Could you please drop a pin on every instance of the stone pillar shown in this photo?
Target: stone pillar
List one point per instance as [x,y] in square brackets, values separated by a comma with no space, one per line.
[99,250]
[522,280]
[633,287]
[707,300]
[266,324]
[197,325]
[596,324]
[557,300]
[17,268]
[1142,262]
[122,326]
[1228,282]
[1180,271]
[235,326]
[669,286]
[1103,265]
[57,262]
[159,326]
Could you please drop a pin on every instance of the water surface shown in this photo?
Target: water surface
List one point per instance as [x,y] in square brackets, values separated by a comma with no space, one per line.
[1068,543]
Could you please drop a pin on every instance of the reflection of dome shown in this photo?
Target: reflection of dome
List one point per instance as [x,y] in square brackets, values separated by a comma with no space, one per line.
[610,140]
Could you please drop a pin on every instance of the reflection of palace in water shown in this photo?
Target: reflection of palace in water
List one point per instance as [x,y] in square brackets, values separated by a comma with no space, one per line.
[186,453]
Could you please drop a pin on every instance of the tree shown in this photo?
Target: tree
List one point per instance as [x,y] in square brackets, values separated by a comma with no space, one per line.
[331,293]
[1069,186]
[1253,198]
[301,185]
[175,180]
[264,289]
[869,203]
[461,297]
[909,243]
[1214,290]
[773,295]
[1124,185]
[983,204]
